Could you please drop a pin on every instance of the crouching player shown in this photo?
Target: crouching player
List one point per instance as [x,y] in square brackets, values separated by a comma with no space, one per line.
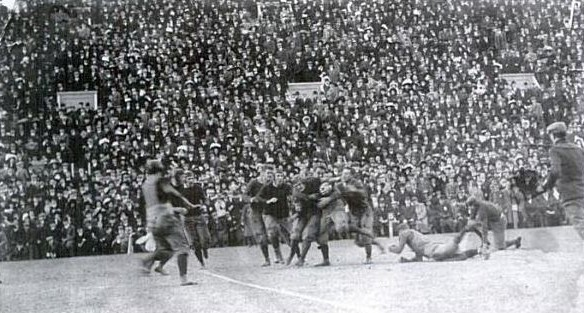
[423,246]
[164,221]
[485,214]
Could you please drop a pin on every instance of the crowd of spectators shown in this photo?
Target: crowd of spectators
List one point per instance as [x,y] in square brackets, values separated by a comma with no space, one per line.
[411,97]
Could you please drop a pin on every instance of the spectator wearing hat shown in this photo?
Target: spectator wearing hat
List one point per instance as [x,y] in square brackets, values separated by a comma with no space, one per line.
[501,194]
[67,244]
[196,83]
[421,215]
[567,174]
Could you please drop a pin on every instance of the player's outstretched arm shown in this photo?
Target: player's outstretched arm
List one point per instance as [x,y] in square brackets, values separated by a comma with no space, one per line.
[167,188]
[260,195]
[323,202]
[298,194]
[403,240]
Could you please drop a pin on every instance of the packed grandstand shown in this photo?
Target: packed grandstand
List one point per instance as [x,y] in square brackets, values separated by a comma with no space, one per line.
[411,94]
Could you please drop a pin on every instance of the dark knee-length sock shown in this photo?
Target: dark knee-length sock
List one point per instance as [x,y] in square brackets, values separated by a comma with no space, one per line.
[265,252]
[368,250]
[182,264]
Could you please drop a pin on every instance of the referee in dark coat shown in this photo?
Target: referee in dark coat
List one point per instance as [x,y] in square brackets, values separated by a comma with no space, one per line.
[567,174]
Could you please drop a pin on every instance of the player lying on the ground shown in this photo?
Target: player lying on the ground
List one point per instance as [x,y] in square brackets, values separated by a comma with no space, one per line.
[484,214]
[423,246]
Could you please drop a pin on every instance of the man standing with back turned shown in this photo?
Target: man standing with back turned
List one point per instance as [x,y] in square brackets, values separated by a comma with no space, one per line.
[567,173]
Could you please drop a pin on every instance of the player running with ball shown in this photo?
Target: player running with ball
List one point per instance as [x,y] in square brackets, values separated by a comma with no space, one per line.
[354,193]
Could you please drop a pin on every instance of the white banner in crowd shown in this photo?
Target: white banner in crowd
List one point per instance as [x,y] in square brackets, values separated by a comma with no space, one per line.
[303,90]
[77,99]
[522,80]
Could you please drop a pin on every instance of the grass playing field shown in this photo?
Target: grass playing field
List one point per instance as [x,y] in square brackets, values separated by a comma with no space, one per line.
[545,275]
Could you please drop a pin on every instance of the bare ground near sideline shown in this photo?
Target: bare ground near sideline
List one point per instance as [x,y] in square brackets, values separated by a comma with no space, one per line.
[545,275]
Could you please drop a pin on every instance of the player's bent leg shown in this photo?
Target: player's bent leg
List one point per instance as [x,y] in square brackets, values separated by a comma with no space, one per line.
[367,225]
[323,241]
[263,240]
[324,249]
[417,258]
[204,236]
[259,230]
[312,233]
[515,242]
[182,260]
[194,239]
[272,231]
[285,230]
[444,251]
[458,238]
[575,212]
[163,251]
[475,228]
[295,238]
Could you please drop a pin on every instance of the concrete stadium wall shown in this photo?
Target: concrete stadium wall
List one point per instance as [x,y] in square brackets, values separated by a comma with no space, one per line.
[548,239]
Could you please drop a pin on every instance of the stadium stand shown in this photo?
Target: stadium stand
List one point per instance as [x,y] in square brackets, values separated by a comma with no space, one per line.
[412,98]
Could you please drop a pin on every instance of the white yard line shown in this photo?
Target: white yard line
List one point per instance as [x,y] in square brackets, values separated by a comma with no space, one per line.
[339,305]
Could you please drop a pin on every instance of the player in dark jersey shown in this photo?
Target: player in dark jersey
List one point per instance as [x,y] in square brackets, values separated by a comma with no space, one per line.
[361,214]
[307,220]
[256,215]
[332,213]
[485,214]
[165,221]
[423,246]
[195,221]
[274,195]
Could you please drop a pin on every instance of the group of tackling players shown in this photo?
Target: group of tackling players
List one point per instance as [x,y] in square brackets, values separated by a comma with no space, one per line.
[319,203]
[343,203]
[297,214]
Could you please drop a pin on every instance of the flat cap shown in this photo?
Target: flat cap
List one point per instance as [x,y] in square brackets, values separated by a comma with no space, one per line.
[557,127]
